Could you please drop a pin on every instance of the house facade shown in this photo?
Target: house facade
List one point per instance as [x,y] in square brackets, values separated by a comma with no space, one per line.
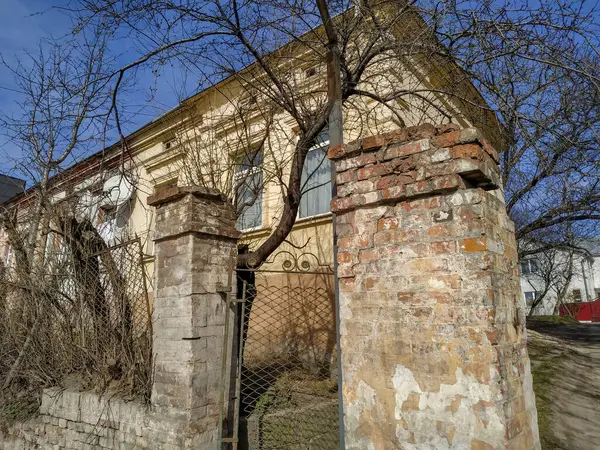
[219,138]
[560,275]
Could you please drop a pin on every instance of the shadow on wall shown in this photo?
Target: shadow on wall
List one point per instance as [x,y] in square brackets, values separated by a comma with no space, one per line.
[292,323]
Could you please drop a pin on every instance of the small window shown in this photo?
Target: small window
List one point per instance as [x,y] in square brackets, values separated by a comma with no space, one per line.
[597,293]
[316,180]
[529,266]
[248,179]
[169,144]
[576,295]
[530,297]
[310,72]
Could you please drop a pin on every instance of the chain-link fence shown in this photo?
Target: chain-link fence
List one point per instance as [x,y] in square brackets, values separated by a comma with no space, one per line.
[78,317]
[288,390]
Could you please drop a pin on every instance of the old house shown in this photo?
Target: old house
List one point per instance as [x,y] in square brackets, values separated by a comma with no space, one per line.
[164,179]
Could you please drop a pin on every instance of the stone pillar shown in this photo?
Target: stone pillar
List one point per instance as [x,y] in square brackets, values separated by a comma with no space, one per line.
[195,237]
[433,339]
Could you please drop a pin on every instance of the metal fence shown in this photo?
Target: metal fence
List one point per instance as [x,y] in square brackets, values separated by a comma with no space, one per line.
[285,391]
[82,318]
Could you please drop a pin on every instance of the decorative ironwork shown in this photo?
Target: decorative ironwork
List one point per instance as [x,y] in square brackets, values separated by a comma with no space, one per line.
[286,261]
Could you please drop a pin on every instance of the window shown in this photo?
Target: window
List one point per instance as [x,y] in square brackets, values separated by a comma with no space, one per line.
[55,251]
[530,297]
[529,266]
[316,180]
[248,181]
[597,292]
[310,72]
[576,294]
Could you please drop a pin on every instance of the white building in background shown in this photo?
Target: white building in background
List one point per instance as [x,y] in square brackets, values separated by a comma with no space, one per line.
[540,273]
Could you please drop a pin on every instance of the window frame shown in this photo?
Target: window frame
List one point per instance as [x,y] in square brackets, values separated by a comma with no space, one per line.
[240,176]
[321,146]
[531,264]
[534,298]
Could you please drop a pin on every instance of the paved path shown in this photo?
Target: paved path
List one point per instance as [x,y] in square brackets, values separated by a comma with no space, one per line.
[575,384]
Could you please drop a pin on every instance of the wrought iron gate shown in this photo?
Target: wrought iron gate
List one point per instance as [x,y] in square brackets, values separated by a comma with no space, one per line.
[285,394]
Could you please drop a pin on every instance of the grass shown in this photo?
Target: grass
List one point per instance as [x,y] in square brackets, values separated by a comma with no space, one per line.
[17,410]
[298,412]
[553,320]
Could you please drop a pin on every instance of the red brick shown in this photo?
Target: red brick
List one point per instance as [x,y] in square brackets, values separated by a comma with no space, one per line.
[395,180]
[443,229]
[341,204]
[468,213]
[446,182]
[446,139]
[394,192]
[474,245]
[352,242]
[390,223]
[370,283]
[418,188]
[346,177]
[336,152]
[472,151]
[368,255]
[422,204]
[390,237]
[490,151]
[400,150]
[442,247]
[371,171]
[344,257]
[492,336]
[374,142]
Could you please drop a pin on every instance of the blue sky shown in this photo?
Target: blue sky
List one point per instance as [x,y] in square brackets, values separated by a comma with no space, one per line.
[21,30]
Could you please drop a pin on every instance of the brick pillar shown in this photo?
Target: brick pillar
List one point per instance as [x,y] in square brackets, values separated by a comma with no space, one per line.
[195,237]
[433,339]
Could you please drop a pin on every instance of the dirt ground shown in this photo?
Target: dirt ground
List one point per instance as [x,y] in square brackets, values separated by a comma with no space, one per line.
[565,361]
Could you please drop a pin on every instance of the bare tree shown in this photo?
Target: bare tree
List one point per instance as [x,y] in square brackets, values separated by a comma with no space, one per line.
[48,295]
[532,67]
[64,111]
[550,275]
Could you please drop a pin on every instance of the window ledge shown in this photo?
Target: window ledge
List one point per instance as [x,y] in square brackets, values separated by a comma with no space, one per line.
[314,220]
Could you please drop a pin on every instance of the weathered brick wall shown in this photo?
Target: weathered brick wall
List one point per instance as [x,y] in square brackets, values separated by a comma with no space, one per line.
[432,325]
[195,239]
[85,421]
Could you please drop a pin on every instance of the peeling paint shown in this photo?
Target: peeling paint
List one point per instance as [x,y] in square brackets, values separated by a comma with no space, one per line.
[443,406]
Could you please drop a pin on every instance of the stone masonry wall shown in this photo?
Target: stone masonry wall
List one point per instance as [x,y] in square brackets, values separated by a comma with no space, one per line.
[432,325]
[195,239]
[85,421]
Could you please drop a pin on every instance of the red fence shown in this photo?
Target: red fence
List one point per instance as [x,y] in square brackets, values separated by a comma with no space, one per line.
[582,311]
